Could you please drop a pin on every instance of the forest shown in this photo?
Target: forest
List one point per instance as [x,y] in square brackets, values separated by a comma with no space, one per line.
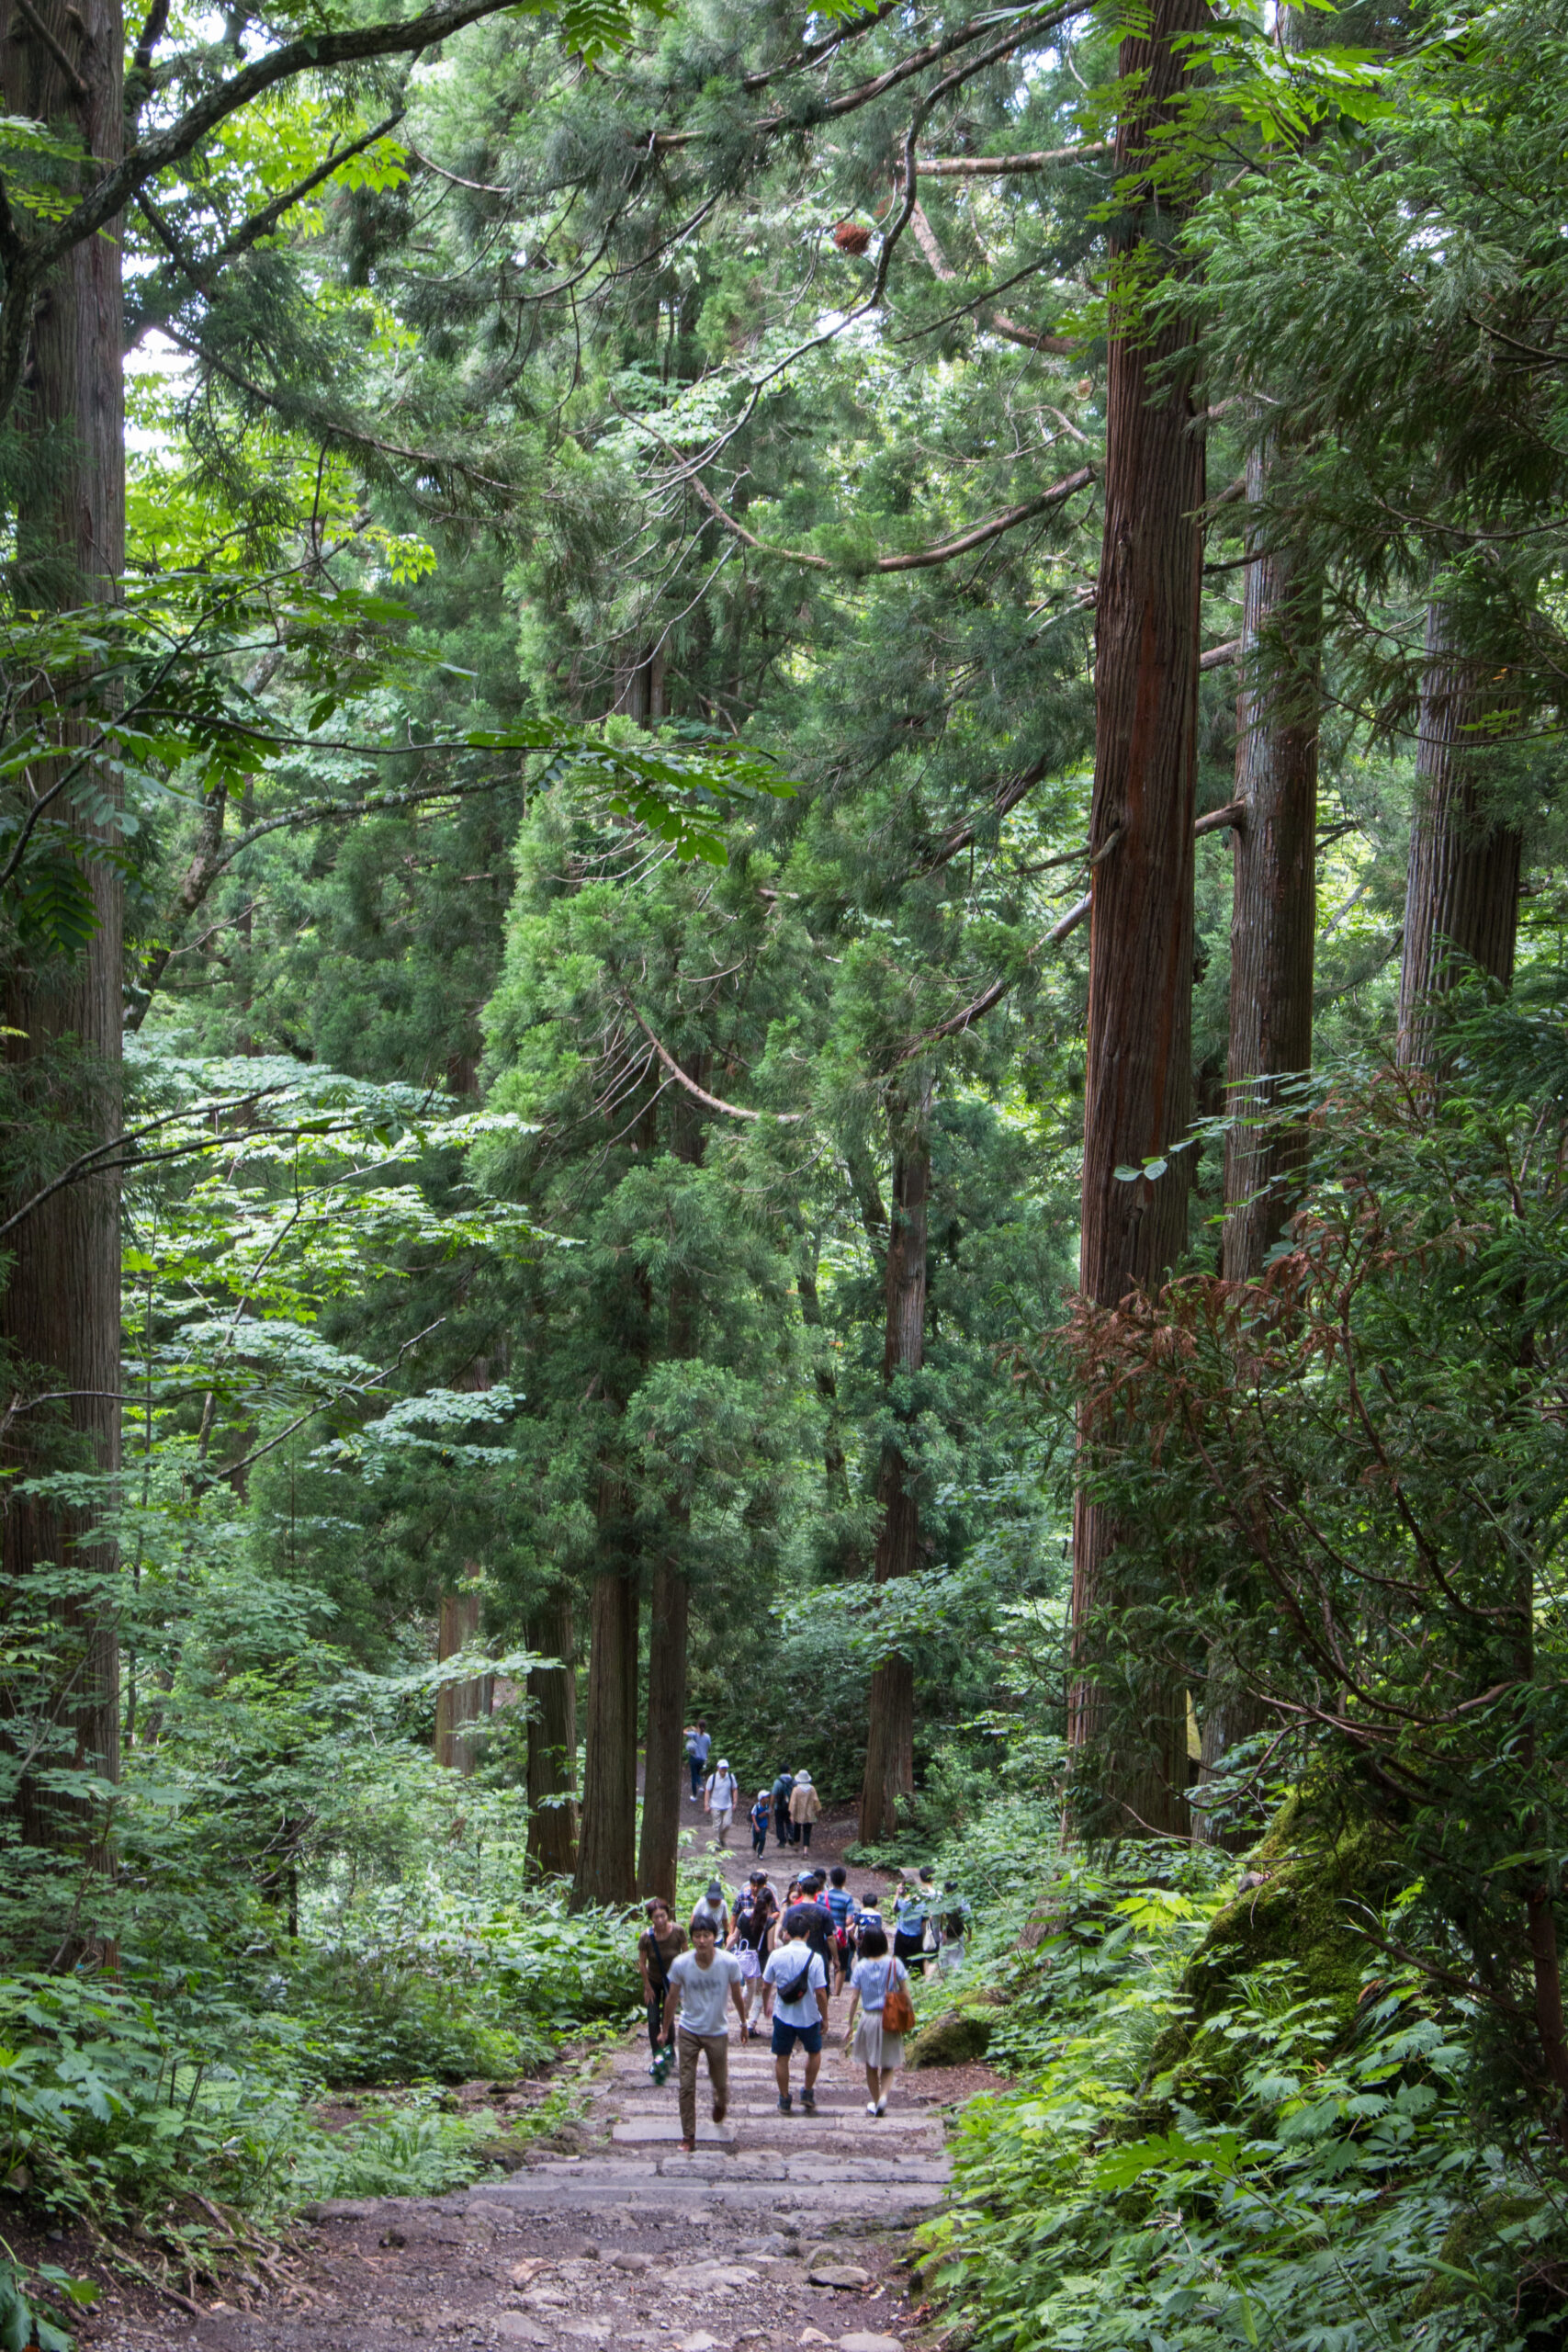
[783,927]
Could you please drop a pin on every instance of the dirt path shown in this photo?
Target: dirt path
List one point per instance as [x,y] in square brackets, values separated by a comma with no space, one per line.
[778,2231]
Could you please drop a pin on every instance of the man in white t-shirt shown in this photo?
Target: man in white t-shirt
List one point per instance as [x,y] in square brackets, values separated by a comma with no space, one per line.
[702,1984]
[721,1794]
[794,1994]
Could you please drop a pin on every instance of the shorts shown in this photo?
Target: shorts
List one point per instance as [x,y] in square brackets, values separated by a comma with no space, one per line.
[785,2037]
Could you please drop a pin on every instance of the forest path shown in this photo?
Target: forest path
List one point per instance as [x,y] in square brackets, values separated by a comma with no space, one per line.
[781,2231]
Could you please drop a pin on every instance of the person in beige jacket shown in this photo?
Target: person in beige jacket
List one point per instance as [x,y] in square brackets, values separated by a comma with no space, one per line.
[805,1804]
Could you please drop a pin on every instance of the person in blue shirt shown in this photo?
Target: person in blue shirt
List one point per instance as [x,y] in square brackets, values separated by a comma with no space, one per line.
[841,1910]
[762,1813]
[699,1746]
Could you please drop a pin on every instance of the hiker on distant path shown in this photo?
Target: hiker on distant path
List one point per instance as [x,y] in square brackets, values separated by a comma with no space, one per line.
[870,1917]
[711,1905]
[795,1994]
[698,1746]
[663,1941]
[910,1910]
[872,1979]
[805,1804]
[784,1789]
[841,1910]
[722,1792]
[762,1813]
[953,1927]
[755,1911]
[703,1981]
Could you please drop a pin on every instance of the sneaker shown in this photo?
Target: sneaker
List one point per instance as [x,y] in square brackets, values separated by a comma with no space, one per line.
[785,2102]
[881,2107]
[872,2108]
[808,2102]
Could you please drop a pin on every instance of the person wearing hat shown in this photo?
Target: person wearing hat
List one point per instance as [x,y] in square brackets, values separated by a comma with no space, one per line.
[721,1795]
[805,1804]
[713,1907]
[762,1813]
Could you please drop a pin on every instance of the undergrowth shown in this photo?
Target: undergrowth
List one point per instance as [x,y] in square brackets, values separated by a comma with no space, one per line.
[1272,2175]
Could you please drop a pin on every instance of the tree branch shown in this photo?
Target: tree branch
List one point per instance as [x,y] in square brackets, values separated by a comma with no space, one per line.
[712,1102]
[919,559]
[30,17]
[976,167]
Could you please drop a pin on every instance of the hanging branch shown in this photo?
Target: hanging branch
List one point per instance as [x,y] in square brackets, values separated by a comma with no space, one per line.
[700,1093]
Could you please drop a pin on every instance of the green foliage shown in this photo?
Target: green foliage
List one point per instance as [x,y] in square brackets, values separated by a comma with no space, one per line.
[1326,2189]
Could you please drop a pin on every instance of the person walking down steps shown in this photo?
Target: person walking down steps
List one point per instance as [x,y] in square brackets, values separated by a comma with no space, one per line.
[721,1795]
[794,1992]
[762,1813]
[805,1804]
[702,1983]
[699,1746]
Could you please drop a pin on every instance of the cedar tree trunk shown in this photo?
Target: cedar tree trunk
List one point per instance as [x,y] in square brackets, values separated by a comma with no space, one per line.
[1462,891]
[60,1313]
[890,1742]
[1274,910]
[552,1742]
[457,1704]
[606,1850]
[1139,1078]
[663,1763]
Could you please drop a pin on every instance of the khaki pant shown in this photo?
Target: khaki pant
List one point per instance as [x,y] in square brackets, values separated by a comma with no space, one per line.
[717,2048]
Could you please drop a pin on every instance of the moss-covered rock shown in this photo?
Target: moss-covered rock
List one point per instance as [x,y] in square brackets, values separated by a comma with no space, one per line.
[1293,1904]
[957,2038]
[1468,2238]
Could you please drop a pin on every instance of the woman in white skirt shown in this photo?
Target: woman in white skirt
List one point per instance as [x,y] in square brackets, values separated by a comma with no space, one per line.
[871,1978]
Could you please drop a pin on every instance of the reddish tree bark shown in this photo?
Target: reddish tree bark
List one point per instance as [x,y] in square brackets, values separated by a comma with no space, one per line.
[1138,1088]
[1462,891]
[59,1312]
[890,1745]
[552,1741]
[663,1754]
[606,1852]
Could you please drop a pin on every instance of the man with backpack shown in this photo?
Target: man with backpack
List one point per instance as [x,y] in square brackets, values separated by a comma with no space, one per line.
[722,1792]
[699,1746]
[815,1921]
[783,1788]
[794,1994]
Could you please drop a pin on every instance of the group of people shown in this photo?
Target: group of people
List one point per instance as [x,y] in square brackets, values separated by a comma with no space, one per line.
[790,1807]
[787,1961]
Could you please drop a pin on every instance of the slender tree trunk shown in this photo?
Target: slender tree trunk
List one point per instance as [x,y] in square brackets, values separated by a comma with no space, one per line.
[1273,931]
[835,1469]
[664,1757]
[1461,891]
[890,1743]
[552,1742]
[606,1850]
[671,1599]
[1274,910]
[1137,1101]
[60,1315]
[458,1705]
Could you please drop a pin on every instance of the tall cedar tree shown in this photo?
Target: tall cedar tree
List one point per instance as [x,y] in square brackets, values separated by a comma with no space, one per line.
[1138,1084]
[60,1309]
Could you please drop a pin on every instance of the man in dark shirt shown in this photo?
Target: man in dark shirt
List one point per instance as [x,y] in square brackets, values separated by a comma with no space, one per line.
[782,1787]
[818,1923]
